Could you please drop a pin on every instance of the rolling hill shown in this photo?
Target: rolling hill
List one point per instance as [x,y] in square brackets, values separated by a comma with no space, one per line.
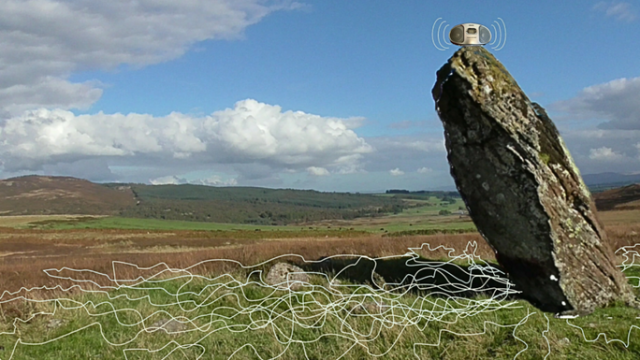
[610,179]
[38,195]
[48,195]
[623,198]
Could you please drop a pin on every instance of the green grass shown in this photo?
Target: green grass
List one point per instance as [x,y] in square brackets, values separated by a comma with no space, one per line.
[147,224]
[267,325]
[435,208]
[238,231]
[418,218]
[401,226]
[425,217]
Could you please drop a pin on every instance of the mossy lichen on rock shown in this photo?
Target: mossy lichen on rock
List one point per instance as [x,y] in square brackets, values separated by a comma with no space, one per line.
[544,224]
[545,158]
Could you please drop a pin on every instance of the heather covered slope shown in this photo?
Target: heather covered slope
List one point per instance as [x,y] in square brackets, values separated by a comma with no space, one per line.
[35,195]
[623,198]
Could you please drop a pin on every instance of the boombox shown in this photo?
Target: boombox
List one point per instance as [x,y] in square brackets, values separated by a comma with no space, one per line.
[469,34]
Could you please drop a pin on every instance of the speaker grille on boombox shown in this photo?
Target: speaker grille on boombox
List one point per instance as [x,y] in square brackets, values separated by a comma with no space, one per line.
[485,35]
[457,34]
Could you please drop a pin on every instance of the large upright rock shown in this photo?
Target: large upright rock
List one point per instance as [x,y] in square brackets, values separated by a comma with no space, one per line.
[522,189]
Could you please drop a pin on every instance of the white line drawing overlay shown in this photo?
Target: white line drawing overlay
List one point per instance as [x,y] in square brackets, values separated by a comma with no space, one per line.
[230,304]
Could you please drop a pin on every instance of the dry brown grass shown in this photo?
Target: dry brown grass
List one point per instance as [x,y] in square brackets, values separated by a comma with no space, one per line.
[20,220]
[620,217]
[24,254]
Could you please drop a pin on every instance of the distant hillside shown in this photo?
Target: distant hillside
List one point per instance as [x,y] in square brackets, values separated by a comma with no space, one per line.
[35,195]
[624,198]
[253,205]
[609,180]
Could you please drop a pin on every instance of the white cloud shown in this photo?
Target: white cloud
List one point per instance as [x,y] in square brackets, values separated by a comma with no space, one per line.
[218,181]
[350,163]
[424,170]
[354,122]
[396,172]
[50,136]
[586,147]
[43,41]
[167,180]
[620,10]
[317,171]
[257,131]
[250,133]
[617,101]
[214,180]
[638,147]
[48,92]
[604,154]
[617,104]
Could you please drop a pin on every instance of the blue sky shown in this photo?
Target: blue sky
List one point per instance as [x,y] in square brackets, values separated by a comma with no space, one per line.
[326,95]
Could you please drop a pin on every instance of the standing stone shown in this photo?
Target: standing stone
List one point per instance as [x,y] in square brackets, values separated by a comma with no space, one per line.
[522,189]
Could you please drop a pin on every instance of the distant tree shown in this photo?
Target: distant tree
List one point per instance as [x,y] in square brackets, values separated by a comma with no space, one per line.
[444,212]
[449,199]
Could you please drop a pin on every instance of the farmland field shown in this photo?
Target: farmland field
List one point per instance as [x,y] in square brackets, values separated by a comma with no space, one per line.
[425,215]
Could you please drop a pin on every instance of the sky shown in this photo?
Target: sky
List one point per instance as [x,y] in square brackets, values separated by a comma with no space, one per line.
[329,95]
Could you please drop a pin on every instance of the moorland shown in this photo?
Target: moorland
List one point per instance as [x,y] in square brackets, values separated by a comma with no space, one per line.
[107,229]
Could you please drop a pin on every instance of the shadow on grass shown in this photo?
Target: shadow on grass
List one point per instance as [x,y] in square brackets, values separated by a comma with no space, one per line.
[421,276]
[434,278]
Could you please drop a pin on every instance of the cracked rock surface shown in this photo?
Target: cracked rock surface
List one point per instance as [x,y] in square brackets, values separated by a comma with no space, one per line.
[523,190]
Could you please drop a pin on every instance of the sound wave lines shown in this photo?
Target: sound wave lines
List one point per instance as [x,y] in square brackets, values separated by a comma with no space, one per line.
[440,37]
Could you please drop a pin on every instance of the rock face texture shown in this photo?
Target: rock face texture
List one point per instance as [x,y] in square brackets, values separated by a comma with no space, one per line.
[287,276]
[522,189]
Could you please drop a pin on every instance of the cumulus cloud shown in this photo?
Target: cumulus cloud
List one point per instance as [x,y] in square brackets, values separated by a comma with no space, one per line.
[214,180]
[586,147]
[354,122]
[619,10]
[256,138]
[396,172]
[43,41]
[263,132]
[617,101]
[424,170]
[48,92]
[617,105]
[604,154]
[218,181]
[317,171]
[45,136]
[167,180]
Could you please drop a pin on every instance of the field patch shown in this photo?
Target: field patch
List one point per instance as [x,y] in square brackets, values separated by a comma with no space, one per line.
[26,220]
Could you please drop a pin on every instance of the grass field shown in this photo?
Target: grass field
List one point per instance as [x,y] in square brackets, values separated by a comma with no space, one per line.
[234,313]
[235,319]
[141,224]
[424,216]
[19,221]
